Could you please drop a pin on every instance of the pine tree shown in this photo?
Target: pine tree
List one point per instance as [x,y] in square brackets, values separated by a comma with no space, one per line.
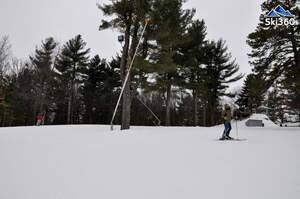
[99,90]
[251,95]
[169,24]
[42,62]
[276,50]
[191,58]
[71,65]
[21,97]
[220,70]
[275,105]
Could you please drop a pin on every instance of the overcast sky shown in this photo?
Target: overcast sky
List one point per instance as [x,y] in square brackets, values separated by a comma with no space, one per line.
[29,22]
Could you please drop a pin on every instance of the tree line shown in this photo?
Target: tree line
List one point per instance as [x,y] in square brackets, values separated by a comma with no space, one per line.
[178,73]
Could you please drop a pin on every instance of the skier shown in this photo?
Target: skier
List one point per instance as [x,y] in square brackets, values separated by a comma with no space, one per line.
[39,118]
[226,115]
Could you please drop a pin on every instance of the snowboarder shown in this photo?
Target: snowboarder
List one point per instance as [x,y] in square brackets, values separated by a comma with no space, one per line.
[226,115]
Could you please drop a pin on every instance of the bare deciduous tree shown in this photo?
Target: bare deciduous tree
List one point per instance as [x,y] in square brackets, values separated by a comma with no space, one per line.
[5,52]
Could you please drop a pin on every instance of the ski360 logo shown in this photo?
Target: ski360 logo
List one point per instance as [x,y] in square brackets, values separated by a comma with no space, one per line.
[279,17]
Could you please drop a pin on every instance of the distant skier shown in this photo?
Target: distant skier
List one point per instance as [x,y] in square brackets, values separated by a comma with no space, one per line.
[39,119]
[226,115]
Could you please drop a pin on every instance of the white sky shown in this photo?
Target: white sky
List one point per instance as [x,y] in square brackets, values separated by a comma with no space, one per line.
[29,22]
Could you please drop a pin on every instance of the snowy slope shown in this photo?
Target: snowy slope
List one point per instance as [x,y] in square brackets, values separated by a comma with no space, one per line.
[90,162]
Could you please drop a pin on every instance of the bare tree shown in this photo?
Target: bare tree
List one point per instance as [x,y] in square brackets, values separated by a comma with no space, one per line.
[5,52]
[4,62]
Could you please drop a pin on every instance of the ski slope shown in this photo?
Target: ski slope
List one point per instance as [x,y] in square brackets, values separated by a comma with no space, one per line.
[91,162]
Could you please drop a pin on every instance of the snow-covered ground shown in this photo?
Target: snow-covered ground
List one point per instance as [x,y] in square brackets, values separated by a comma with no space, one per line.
[291,124]
[91,162]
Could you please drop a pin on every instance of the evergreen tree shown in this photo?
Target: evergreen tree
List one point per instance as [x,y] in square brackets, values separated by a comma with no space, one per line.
[275,105]
[191,58]
[220,70]
[21,97]
[276,50]
[71,64]
[169,24]
[251,95]
[42,62]
[99,90]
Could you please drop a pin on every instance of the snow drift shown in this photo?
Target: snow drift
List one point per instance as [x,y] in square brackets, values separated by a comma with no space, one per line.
[265,119]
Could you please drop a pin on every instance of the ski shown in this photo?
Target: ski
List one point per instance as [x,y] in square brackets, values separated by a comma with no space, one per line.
[234,139]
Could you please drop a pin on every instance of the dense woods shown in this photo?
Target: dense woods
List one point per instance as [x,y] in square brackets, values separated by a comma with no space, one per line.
[179,75]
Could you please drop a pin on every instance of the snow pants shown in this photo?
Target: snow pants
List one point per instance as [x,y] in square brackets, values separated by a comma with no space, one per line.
[227,129]
[38,122]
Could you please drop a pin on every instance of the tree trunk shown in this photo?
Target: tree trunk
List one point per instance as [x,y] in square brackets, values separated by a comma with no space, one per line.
[212,114]
[204,115]
[126,107]
[127,94]
[125,122]
[31,120]
[3,117]
[90,115]
[195,108]
[70,104]
[168,105]
[43,105]
[69,110]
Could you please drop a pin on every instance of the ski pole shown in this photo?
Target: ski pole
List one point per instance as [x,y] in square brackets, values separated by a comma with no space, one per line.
[236,126]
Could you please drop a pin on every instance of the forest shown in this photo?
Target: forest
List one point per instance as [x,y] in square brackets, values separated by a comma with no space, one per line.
[178,78]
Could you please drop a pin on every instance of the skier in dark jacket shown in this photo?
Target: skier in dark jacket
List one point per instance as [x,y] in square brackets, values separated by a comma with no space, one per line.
[227,116]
